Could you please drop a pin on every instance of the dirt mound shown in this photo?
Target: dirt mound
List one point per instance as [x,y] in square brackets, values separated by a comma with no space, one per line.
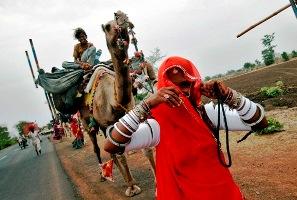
[263,77]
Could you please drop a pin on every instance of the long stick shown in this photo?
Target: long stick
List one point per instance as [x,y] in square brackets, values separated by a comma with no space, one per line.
[49,105]
[52,103]
[47,95]
[263,20]
[34,54]
[32,72]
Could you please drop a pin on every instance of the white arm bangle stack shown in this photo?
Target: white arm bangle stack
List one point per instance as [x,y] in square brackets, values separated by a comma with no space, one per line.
[112,140]
[130,121]
[260,118]
[248,109]
[147,135]
[245,107]
[121,132]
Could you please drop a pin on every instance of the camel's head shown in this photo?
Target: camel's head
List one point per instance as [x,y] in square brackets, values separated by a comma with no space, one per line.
[116,33]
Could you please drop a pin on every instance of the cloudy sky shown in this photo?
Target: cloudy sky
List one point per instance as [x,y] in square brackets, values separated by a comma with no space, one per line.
[201,30]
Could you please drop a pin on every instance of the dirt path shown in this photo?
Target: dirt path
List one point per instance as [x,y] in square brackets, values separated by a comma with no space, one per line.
[82,166]
[265,167]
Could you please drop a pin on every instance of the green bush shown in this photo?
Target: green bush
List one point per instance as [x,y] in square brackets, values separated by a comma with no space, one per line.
[248,65]
[5,139]
[273,126]
[271,92]
[285,56]
[294,54]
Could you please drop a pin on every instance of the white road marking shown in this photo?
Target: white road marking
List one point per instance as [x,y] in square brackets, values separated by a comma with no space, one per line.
[3,157]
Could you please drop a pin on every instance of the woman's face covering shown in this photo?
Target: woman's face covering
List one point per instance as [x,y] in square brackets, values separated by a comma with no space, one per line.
[177,77]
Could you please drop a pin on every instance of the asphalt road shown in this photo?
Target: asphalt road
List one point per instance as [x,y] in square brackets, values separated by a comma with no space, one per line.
[26,176]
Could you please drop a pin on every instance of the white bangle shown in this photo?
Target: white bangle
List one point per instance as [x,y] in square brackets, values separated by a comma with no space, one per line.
[110,139]
[246,107]
[131,119]
[260,118]
[127,119]
[134,116]
[126,125]
[121,132]
[250,113]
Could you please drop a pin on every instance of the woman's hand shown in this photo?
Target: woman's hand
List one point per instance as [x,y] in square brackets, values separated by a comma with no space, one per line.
[85,65]
[168,95]
[214,89]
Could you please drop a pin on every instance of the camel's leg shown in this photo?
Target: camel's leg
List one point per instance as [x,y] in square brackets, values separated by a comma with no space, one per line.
[93,138]
[129,178]
[132,189]
[118,164]
[149,153]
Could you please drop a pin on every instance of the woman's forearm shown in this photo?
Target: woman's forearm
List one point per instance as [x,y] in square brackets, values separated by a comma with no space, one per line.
[241,113]
[119,135]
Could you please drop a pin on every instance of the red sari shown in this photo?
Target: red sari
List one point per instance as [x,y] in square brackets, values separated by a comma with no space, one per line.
[187,164]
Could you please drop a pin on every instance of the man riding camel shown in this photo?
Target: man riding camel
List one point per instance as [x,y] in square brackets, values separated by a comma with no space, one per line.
[84,52]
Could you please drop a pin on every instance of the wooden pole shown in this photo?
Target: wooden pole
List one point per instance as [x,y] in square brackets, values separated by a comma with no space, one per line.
[47,95]
[263,20]
[34,54]
[30,65]
[49,104]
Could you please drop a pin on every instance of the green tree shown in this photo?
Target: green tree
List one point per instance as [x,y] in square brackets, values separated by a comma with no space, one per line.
[294,54]
[155,56]
[248,65]
[268,53]
[5,140]
[19,127]
[257,62]
[285,56]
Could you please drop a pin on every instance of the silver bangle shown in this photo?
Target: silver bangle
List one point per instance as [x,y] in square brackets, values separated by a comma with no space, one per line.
[141,111]
[233,99]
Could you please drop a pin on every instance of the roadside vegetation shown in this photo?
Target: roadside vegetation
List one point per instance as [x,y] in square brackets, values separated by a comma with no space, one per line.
[273,126]
[273,91]
[5,139]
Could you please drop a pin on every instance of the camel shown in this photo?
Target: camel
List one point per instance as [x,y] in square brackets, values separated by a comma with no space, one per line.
[113,96]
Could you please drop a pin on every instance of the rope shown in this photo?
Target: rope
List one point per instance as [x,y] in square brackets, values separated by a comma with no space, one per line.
[217,131]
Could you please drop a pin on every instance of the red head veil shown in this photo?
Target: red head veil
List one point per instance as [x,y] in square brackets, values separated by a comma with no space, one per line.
[190,72]
[187,165]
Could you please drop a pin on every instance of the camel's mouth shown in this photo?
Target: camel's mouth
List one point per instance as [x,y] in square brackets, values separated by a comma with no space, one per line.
[124,36]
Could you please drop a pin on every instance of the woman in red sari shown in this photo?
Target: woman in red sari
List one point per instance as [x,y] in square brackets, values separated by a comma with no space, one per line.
[187,164]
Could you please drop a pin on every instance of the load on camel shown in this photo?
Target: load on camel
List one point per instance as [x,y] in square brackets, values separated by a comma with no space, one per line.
[102,94]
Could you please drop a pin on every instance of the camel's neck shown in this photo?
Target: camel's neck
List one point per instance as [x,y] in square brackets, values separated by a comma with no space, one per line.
[123,83]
